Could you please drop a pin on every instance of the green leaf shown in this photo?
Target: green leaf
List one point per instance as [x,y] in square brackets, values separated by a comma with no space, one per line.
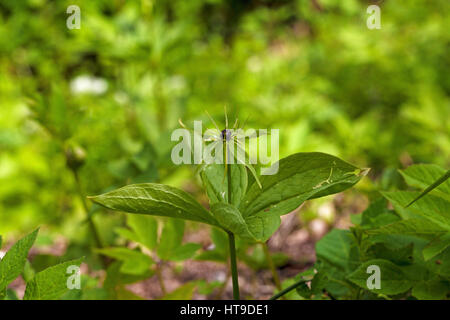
[216,184]
[11,295]
[300,177]
[134,262]
[412,227]
[436,246]
[440,264]
[171,238]
[184,252]
[423,176]
[339,249]
[184,292]
[263,226]
[431,207]
[231,220]
[28,272]
[377,214]
[431,290]
[155,199]
[433,186]
[12,264]
[51,283]
[146,229]
[127,234]
[399,256]
[393,279]
[115,279]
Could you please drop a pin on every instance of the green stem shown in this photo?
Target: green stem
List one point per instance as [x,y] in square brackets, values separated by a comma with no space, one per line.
[358,294]
[160,278]
[97,239]
[231,241]
[276,278]
[233,266]
[290,288]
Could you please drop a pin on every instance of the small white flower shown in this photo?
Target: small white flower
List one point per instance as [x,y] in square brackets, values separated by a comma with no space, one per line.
[88,84]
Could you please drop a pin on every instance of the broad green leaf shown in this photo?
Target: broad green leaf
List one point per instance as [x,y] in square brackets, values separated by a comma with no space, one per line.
[28,272]
[412,227]
[424,175]
[171,238]
[12,264]
[440,264]
[433,186]
[127,234]
[257,259]
[339,249]
[431,207]
[0,242]
[263,226]
[231,219]
[216,183]
[211,255]
[133,262]
[318,283]
[146,229]
[155,199]
[300,177]
[431,290]
[304,290]
[115,279]
[436,246]
[377,214]
[184,252]
[51,283]
[393,279]
[399,256]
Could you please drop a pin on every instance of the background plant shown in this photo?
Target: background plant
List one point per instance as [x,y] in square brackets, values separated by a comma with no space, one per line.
[410,246]
[48,284]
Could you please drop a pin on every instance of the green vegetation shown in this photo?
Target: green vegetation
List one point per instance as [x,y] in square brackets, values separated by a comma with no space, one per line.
[91,111]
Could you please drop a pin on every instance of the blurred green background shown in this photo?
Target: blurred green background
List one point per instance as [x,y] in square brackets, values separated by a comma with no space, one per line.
[103,100]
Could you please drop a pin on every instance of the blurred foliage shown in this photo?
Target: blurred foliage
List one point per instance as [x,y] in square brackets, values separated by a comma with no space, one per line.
[103,100]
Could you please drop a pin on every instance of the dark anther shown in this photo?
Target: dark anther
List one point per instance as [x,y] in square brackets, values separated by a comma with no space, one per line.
[226,134]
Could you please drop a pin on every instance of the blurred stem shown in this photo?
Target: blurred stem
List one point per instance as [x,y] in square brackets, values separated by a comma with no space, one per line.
[358,294]
[288,289]
[276,278]
[160,278]
[233,266]
[97,239]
